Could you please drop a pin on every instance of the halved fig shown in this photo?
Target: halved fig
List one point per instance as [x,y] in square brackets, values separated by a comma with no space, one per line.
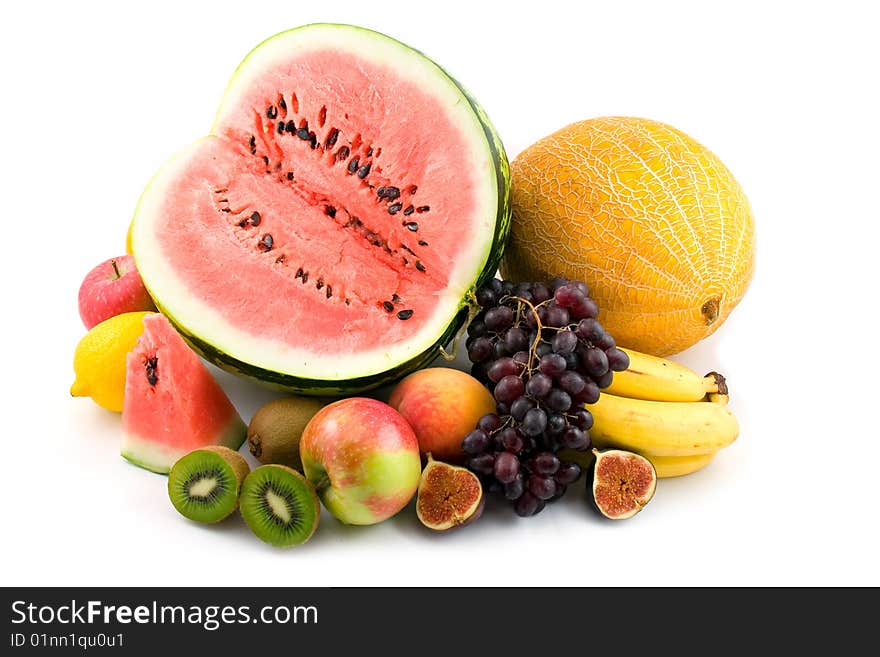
[449,496]
[621,483]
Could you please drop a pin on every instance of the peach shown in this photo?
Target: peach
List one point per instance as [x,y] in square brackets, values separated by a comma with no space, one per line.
[442,405]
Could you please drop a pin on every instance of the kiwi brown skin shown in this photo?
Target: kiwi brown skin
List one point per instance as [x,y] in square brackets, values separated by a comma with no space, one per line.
[275,430]
[235,460]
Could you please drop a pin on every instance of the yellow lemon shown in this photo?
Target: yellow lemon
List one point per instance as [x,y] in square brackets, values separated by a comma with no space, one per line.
[99,360]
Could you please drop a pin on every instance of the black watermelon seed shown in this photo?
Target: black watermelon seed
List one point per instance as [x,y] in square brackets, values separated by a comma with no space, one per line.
[281,258]
[303,133]
[409,210]
[353,165]
[266,160]
[423,243]
[329,291]
[331,138]
[423,208]
[150,366]
[290,126]
[281,127]
[390,193]
[369,151]
[342,153]
[388,306]
[394,209]
[348,302]
[320,283]
[252,145]
[225,210]
[305,277]
[330,211]
[290,175]
[420,266]
[271,112]
[281,103]
[255,219]
[313,140]
[404,314]
[243,223]
[411,226]
[395,298]
[266,242]
[364,171]
[299,272]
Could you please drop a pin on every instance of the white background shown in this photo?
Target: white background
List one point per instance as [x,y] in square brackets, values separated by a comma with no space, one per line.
[95,97]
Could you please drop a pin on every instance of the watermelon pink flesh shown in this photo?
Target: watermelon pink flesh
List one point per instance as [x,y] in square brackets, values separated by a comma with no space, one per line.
[172,404]
[336,214]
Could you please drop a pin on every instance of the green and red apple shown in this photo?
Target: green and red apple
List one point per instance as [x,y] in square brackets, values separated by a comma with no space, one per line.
[112,288]
[363,459]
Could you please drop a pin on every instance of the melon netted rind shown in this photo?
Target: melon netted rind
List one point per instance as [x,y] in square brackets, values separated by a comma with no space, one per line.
[298,382]
[651,219]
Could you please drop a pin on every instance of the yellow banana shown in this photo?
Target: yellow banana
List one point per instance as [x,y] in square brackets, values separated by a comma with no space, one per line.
[666,466]
[658,379]
[677,466]
[662,428]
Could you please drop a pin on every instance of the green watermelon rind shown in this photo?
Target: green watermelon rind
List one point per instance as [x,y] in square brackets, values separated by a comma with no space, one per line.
[341,387]
[232,436]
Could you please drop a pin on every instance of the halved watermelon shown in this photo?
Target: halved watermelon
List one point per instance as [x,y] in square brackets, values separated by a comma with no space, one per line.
[326,237]
[172,404]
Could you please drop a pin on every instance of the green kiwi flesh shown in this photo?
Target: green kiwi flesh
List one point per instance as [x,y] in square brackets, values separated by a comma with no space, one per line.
[204,484]
[279,505]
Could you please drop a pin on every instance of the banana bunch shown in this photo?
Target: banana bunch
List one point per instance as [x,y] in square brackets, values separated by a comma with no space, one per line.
[668,413]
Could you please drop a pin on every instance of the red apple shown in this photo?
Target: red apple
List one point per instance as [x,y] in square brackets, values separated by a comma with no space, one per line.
[442,405]
[363,459]
[112,288]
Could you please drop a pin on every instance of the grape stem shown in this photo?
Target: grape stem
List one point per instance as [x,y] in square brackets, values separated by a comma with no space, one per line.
[473,310]
[539,328]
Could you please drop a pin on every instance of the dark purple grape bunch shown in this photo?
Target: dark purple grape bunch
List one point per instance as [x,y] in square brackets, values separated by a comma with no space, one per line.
[544,356]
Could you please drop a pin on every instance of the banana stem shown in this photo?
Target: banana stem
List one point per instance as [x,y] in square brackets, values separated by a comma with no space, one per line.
[715,383]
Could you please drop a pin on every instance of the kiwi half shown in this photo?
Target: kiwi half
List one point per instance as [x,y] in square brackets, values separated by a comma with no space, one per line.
[275,429]
[204,485]
[279,505]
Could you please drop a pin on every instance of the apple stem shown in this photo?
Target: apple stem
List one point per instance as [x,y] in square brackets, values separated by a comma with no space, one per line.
[115,269]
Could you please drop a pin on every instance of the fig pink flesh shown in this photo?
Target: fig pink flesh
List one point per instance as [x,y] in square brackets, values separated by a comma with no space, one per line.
[624,483]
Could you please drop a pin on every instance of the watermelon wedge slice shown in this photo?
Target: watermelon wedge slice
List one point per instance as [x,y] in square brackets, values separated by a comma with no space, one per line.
[327,236]
[172,404]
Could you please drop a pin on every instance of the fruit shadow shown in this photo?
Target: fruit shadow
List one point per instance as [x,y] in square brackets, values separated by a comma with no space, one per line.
[234,528]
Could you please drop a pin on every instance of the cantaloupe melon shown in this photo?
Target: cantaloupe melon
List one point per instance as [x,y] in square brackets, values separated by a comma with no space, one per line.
[650,219]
